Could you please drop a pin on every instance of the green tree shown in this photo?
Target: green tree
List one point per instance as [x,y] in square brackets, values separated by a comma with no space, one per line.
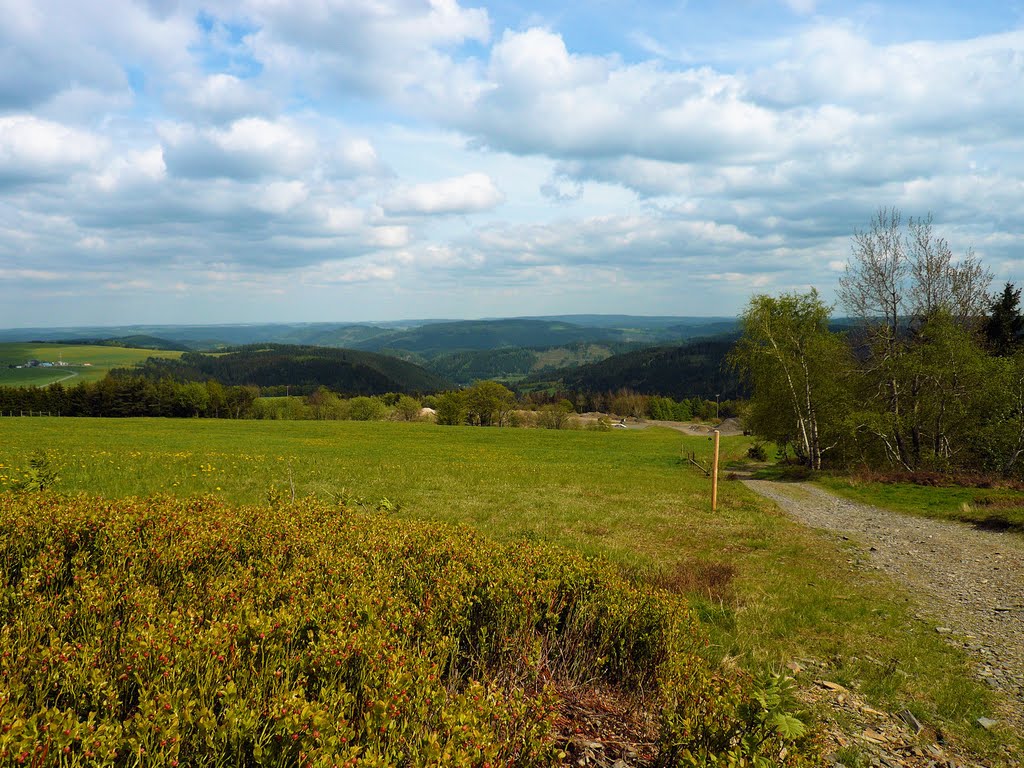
[897,279]
[944,375]
[240,400]
[324,404]
[1005,323]
[193,398]
[555,415]
[999,442]
[795,369]
[451,408]
[216,397]
[407,408]
[366,409]
[489,403]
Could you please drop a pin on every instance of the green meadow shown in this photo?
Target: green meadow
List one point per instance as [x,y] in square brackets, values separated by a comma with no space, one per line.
[100,358]
[769,591]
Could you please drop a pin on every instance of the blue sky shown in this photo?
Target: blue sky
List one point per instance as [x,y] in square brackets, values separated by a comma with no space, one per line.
[167,161]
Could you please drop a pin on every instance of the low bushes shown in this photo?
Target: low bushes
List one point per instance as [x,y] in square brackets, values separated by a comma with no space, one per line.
[187,632]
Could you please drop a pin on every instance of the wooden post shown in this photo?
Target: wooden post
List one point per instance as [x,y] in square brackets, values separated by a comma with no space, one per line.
[714,476]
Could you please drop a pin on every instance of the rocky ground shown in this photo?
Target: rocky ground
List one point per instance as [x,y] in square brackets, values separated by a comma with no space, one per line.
[969,583]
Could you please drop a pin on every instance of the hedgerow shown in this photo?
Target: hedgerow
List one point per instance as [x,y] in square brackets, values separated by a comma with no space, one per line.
[187,632]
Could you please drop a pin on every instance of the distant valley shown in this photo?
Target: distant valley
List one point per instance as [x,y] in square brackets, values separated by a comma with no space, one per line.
[678,356]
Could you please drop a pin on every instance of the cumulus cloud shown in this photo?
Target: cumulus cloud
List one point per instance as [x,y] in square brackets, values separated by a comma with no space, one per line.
[34,150]
[50,46]
[540,98]
[249,148]
[246,139]
[471,193]
[135,168]
[372,47]
[221,97]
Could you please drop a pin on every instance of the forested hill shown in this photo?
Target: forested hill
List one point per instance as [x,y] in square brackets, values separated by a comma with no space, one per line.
[419,338]
[347,371]
[140,341]
[465,335]
[512,364]
[697,369]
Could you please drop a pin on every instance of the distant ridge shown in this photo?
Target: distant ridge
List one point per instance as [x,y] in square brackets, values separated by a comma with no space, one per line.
[132,342]
[350,372]
[416,336]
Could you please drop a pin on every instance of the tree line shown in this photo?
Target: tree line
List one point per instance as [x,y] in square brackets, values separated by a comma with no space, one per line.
[930,378]
[125,396]
[486,403]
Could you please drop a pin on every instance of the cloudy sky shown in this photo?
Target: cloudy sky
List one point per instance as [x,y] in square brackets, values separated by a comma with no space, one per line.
[320,160]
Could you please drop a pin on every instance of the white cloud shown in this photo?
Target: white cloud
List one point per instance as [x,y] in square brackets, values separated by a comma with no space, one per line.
[267,136]
[341,219]
[471,193]
[389,237]
[281,196]
[222,97]
[390,47]
[249,148]
[357,157]
[134,168]
[539,98]
[36,150]
[358,271]
[51,46]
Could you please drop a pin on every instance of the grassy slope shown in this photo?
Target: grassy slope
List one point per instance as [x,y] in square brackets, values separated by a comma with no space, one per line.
[620,494]
[103,358]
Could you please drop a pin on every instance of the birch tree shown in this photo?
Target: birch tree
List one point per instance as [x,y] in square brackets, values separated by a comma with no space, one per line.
[897,279]
[795,369]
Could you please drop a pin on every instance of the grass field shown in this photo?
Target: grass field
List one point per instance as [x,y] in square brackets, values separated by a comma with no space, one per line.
[101,360]
[768,590]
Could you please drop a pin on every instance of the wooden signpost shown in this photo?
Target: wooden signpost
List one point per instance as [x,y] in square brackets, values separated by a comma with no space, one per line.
[714,476]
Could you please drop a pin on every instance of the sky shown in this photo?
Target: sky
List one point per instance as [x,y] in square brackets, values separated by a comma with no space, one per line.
[171,161]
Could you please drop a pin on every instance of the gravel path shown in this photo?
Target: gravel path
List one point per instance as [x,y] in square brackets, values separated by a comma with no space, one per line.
[969,581]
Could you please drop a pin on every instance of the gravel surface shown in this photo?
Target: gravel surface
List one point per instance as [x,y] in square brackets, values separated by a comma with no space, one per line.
[969,582]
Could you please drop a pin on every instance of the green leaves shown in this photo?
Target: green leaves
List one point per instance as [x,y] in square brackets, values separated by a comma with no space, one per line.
[187,630]
[796,371]
[38,476]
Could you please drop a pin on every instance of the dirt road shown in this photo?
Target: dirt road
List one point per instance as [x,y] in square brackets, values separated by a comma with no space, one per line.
[969,581]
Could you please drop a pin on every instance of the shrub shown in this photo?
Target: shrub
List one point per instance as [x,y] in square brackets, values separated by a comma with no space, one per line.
[366,409]
[407,408]
[555,415]
[451,408]
[187,632]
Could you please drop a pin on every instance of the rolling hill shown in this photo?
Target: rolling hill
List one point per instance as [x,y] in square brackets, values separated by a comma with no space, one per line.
[137,341]
[211,336]
[513,364]
[70,363]
[426,338]
[347,371]
[477,335]
[696,369]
